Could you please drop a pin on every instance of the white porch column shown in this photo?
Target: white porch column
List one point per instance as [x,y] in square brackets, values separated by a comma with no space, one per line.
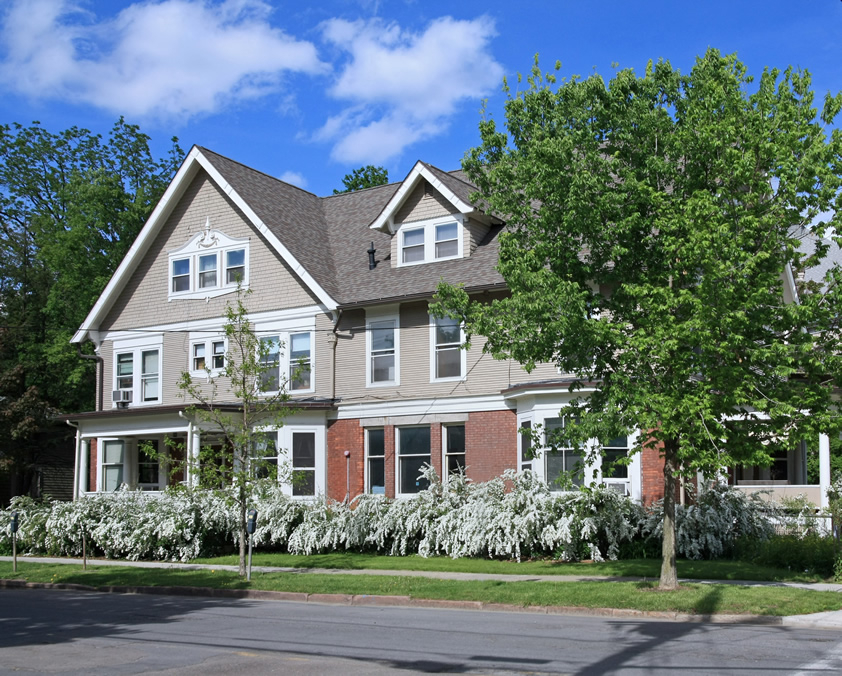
[81,480]
[195,447]
[824,467]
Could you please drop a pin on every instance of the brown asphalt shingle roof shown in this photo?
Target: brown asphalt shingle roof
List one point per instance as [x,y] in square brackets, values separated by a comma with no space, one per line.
[330,237]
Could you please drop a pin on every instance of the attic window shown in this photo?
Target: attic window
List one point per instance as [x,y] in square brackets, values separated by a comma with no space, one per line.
[211,264]
[435,240]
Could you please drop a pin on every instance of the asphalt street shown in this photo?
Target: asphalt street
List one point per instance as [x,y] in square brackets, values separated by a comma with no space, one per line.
[65,632]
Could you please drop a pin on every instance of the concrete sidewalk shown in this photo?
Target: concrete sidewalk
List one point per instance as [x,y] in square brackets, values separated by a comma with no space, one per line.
[825,620]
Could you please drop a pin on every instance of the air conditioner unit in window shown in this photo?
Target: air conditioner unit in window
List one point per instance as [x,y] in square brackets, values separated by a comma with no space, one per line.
[621,488]
[121,396]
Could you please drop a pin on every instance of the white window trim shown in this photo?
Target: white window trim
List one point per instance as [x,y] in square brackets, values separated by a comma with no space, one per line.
[208,242]
[521,420]
[463,356]
[291,365]
[429,227]
[101,464]
[444,434]
[162,467]
[366,477]
[208,341]
[373,318]
[137,347]
[398,492]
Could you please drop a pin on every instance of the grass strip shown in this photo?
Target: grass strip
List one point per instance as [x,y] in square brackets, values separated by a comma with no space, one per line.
[649,568]
[692,598]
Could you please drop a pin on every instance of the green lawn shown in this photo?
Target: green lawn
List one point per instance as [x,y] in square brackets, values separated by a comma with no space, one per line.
[646,568]
[692,598]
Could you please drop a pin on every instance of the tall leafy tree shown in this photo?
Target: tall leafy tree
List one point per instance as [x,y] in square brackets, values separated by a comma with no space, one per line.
[364,177]
[650,223]
[71,204]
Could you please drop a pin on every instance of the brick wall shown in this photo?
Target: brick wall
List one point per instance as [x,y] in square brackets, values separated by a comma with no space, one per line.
[93,460]
[490,448]
[490,444]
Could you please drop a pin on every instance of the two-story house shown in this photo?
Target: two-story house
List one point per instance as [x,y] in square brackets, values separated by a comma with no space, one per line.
[340,285]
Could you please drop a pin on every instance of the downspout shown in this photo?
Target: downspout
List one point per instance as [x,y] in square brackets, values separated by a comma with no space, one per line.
[78,459]
[333,339]
[99,374]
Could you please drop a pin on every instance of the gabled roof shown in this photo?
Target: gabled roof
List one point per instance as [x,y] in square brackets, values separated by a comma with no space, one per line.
[323,240]
[258,196]
[435,177]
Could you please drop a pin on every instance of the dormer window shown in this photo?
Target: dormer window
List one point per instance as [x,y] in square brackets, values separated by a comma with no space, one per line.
[435,240]
[210,264]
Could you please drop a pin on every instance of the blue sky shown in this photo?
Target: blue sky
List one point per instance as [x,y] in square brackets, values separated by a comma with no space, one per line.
[309,91]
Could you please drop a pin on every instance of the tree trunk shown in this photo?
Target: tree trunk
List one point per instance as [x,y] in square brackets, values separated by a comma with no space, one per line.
[669,573]
[243,537]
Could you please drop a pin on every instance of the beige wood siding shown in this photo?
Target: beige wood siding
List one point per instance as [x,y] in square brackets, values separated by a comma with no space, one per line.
[106,351]
[473,233]
[143,301]
[485,375]
[422,204]
[350,356]
[322,355]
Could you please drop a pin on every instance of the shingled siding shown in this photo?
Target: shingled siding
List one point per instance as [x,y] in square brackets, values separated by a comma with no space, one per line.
[143,301]
[423,204]
[473,233]
[485,374]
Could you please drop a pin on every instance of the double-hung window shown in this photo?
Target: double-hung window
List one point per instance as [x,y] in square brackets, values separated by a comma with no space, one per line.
[264,455]
[207,354]
[137,373]
[148,465]
[209,265]
[382,352]
[448,357]
[436,240]
[615,450]
[150,374]
[564,465]
[375,461]
[454,449]
[270,360]
[413,444]
[299,361]
[304,464]
[125,371]
[525,443]
[112,464]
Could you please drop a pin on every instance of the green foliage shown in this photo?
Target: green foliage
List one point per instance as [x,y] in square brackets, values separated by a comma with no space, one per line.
[650,222]
[71,204]
[364,177]
[813,553]
[233,407]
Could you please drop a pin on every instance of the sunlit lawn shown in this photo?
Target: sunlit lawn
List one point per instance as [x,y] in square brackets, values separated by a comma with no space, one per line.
[645,568]
[692,598]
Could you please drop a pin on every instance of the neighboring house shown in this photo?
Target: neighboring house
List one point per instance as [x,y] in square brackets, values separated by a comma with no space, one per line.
[341,283]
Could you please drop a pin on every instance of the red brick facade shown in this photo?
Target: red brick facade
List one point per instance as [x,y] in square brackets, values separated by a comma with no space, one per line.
[490,448]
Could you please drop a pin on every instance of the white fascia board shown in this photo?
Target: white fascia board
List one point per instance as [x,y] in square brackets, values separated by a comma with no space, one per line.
[789,281]
[394,408]
[188,170]
[385,221]
[290,260]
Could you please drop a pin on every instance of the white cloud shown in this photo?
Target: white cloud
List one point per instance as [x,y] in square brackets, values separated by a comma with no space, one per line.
[402,87]
[294,178]
[170,58]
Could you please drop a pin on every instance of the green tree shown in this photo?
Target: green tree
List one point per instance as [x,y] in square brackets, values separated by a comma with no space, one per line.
[364,177]
[71,204]
[241,405]
[650,223]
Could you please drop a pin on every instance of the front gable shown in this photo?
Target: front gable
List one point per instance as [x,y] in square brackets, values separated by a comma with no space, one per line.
[140,289]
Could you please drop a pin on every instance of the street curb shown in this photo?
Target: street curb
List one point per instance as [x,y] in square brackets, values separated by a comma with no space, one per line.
[402,601]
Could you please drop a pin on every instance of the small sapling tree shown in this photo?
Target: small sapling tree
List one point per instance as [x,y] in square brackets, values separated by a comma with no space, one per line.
[240,403]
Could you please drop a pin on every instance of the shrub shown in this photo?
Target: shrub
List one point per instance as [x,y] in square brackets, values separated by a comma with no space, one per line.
[710,528]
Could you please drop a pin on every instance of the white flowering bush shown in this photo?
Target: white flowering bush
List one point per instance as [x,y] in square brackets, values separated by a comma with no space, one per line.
[711,527]
[512,516]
